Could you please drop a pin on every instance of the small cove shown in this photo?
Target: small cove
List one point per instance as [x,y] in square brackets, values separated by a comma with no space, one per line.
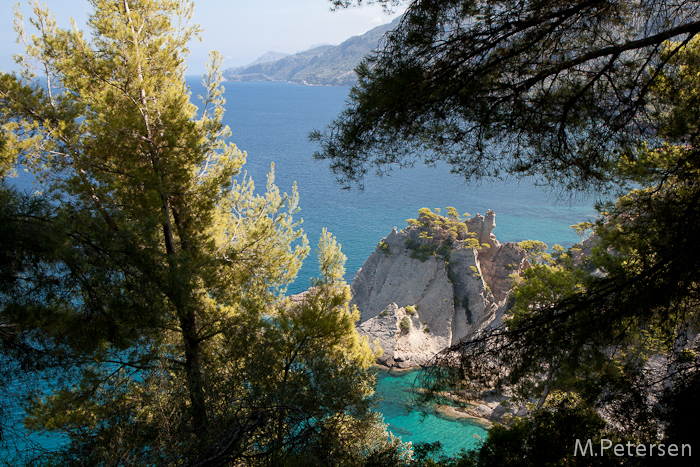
[417,427]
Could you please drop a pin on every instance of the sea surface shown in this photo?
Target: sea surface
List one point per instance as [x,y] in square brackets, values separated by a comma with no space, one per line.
[422,424]
[271,122]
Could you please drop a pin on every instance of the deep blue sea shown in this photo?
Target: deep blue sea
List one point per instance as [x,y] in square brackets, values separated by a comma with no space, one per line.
[271,122]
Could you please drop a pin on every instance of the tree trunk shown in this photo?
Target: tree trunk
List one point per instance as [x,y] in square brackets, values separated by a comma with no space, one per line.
[193,371]
[181,295]
[546,387]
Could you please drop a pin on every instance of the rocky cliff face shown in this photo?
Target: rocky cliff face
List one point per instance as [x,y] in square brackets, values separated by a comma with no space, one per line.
[428,286]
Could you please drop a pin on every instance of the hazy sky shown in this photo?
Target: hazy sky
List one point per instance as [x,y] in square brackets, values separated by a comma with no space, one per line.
[242,30]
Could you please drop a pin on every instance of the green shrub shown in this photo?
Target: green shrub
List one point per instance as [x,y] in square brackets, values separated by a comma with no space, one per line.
[411,310]
[384,246]
[437,234]
[405,325]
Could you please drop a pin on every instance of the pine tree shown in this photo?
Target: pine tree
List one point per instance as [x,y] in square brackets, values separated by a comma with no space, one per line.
[582,95]
[162,290]
[509,87]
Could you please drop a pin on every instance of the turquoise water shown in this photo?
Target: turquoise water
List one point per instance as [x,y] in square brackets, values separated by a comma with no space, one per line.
[414,426]
[271,122]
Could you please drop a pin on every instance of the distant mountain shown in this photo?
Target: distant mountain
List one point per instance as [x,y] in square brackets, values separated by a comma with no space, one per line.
[269,57]
[323,65]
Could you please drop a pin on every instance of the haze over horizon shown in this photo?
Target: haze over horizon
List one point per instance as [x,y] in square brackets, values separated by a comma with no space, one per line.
[241,30]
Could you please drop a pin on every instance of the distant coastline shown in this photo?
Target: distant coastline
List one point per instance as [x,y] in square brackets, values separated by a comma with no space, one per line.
[324,65]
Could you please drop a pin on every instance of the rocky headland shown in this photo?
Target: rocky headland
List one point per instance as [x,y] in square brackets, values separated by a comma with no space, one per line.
[428,286]
[325,65]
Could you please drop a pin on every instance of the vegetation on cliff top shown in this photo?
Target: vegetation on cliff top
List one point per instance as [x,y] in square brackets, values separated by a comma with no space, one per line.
[434,234]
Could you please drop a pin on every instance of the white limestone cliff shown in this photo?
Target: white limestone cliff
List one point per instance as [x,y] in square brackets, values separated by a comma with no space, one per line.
[439,297]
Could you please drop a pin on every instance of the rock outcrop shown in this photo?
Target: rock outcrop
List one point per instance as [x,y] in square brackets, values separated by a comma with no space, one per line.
[430,285]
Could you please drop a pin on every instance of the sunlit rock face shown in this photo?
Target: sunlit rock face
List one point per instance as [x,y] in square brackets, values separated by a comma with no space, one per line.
[428,286]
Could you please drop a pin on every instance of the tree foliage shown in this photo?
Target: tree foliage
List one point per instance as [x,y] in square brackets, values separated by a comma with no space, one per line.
[433,233]
[146,281]
[581,95]
[525,87]
[618,332]
[548,438]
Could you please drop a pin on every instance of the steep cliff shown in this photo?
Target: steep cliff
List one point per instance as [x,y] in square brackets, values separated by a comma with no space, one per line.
[429,285]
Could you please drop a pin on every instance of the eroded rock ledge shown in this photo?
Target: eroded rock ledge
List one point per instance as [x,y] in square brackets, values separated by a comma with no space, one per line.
[428,286]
